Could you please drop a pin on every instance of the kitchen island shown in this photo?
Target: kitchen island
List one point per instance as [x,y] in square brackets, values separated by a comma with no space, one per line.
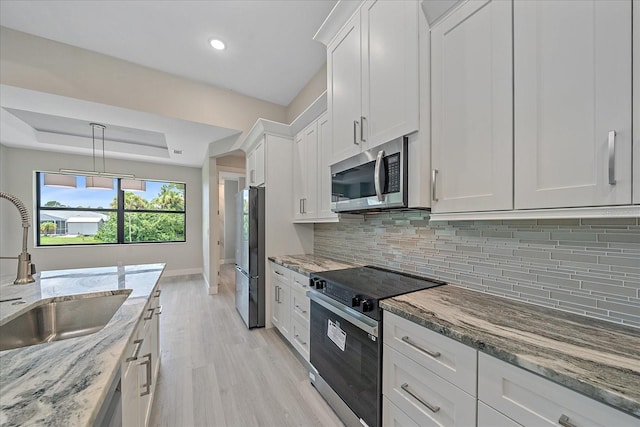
[65,383]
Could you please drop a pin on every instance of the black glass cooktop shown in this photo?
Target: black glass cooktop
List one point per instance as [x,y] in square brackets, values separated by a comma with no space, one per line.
[354,286]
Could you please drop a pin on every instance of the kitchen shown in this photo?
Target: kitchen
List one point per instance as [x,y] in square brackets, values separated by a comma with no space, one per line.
[495,226]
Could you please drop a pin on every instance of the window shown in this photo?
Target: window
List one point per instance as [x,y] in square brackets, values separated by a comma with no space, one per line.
[87,216]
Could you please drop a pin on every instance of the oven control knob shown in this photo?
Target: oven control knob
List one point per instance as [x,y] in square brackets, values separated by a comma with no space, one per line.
[320,283]
[355,301]
[367,305]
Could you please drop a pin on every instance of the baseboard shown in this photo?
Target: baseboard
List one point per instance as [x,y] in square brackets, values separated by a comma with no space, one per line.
[182,272]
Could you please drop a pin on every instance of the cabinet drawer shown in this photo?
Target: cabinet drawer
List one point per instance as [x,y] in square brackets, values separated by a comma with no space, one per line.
[489,417]
[425,397]
[392,416]
[300,337]
[300,305]
[299,281]
[453,361]
[532,400]
[280,273]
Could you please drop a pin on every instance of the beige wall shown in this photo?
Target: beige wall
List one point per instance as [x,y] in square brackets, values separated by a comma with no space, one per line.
[43,65]
[236,162]
[18,166]
[308,94]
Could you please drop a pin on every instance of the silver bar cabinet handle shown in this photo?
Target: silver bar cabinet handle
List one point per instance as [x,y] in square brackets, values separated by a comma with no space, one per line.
[151,314]
[355,132]
[434,174]
[377,176]
[434,354]
[296,337]
[278,273]
[565,422]
[300,309]
[612,157]
[159,312]
[158,292]
[300,206]
[362,120]
[304,206]
[149,376]
[138,344]
[428,405]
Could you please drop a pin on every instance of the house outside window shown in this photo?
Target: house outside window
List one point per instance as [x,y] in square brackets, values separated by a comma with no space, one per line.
[88,216]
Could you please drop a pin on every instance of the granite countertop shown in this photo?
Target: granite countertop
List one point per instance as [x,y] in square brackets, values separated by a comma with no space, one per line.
[307,264]
[64,383]
[597,358]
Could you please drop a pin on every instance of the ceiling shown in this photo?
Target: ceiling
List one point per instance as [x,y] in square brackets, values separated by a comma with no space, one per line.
[270,53]
[27,121]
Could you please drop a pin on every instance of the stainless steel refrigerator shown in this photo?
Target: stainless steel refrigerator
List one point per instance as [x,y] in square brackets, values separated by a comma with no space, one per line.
[250,256]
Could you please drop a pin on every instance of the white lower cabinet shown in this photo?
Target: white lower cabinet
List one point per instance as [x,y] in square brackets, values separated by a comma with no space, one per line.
[291,309]
[140,366]
[393,416]
[426,376]
[424,396]
[280,312]
[534,401]
[489,417]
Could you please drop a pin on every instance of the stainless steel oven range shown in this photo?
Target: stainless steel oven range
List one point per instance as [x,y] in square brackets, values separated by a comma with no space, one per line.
[346,340]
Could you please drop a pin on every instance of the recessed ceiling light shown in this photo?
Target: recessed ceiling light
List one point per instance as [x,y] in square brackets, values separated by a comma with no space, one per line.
[217,44]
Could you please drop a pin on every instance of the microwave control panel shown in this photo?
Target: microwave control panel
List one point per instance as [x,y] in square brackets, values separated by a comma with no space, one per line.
[393,173]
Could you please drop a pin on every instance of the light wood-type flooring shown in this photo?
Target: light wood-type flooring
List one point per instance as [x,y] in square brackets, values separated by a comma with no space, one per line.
[215,372]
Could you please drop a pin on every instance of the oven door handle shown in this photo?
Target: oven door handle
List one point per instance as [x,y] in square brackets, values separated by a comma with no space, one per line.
[363,322]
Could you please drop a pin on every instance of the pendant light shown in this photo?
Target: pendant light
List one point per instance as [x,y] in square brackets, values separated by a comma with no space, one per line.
[136,185]
[95,179]
[60,180]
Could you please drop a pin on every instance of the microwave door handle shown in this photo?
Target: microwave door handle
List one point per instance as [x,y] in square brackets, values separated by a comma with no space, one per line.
[377,176]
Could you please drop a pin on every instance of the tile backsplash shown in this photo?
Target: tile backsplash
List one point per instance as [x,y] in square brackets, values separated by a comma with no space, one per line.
[587,266]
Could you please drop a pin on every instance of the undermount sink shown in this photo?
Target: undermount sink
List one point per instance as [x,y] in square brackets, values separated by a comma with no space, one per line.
[60,320]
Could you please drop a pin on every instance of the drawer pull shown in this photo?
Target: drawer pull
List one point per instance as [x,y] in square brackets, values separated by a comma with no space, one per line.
[295,337]
[565,422]
[431,353]
[300,309]
[159,312]
[149,376]
[158,292]
[277,272]
[138,344]
[150,315]
[428,405]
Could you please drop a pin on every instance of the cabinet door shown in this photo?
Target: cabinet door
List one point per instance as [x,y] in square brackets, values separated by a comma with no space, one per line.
[251,168]
[471,84]
[535,401]
[259,164]
[489,417]
[324,168]
[344,91]
[572,89]
[309,203]
[129,388]
[145,377]
[390,88]
[636,102]
[299,176]
[281,310]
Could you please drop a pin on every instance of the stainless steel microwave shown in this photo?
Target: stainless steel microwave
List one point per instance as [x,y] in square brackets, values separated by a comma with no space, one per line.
[375,179]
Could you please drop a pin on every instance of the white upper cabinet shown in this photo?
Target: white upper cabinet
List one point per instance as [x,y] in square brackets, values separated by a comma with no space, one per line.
[390,88]
[471,84]
[344,91]
[324,170]
[305,173]
[636,103]
[572,103]
[372,77]
[255,165]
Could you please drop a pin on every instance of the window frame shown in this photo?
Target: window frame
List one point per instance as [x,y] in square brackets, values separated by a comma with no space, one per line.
[120,212]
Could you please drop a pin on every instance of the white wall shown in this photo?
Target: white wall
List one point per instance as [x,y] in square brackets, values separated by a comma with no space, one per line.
[18,178]
[230,219]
